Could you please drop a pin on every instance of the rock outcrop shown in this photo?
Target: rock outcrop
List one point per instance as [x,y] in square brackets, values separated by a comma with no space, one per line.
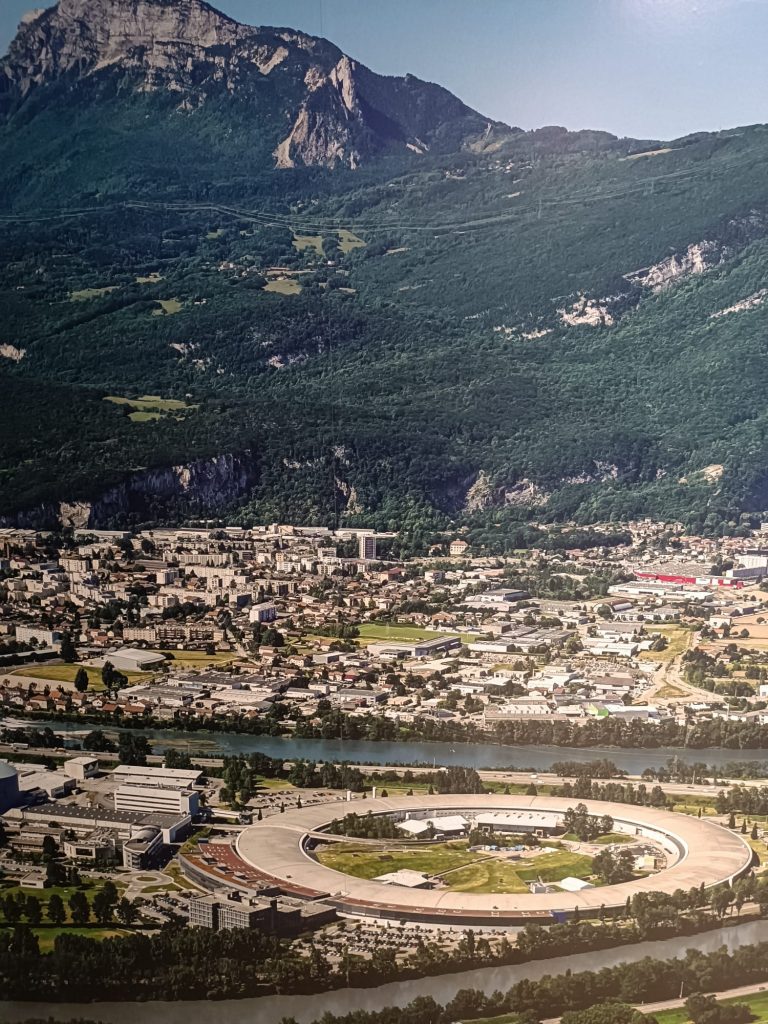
[321,107]
[201,487]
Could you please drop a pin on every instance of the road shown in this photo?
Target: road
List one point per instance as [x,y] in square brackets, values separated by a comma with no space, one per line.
[487,775]
[675,1004]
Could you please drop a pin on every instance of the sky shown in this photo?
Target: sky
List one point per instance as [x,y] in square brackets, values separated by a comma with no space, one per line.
[654,69]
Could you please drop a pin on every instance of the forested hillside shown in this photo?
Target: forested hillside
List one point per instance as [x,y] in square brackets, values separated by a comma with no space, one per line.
[549,326]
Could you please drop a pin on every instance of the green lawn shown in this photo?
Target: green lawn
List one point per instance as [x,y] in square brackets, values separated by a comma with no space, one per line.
[151,407]
[67,673]
[372,631]
[302,242]
[287,286]
[613,837]
[168,307]
[551,867]
[65,891]
[349,241]
[365,862]
[487,876]
[677,642]
[466,871]
[153,278]
[91,293]
[46,936]
[757,1003]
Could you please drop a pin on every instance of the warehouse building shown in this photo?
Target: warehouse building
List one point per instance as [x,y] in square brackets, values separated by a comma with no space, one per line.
[157,800]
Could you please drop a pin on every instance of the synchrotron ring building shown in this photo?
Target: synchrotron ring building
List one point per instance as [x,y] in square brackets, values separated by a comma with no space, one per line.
[699,852]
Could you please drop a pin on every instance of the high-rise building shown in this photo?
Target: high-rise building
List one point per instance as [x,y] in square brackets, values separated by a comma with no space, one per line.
[366,546]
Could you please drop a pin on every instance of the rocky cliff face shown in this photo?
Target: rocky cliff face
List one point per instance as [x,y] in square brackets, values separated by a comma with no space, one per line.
[320,106]
[202,487]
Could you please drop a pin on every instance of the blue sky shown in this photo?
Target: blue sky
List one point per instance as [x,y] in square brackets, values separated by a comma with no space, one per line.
[646,68]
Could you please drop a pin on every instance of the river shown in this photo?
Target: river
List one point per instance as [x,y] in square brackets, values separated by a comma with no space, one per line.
[470,755]
[272,1009]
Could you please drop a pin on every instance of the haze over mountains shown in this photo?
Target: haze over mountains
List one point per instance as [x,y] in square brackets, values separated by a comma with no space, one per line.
[356,297]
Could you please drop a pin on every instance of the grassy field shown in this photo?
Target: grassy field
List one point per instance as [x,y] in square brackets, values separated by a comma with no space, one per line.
[91,293]
[381,631]
[198,659]
[211,235]
[153,278]
[302,242]
[487,876]
[758,1004]
[150,407]
[46,936]
[365,862]
[168,307]
[349,241]
[66,674]
[677,642]
[464,871]
[288,286]
[670,692]
[610,837]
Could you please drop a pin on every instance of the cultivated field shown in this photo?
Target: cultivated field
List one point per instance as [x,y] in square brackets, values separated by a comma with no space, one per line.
[302,242]
[285,286]
[349,241]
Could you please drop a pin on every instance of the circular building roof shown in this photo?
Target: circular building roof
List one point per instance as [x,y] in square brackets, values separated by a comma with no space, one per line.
[701,852]
[7,771]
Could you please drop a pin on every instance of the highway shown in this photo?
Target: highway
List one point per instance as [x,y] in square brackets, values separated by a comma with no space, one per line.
[487,775]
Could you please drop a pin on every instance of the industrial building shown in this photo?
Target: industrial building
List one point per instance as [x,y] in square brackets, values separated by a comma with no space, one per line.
[85,820]
[9,787]
[157,799]
[545,823]
[165,778]
[131,659]
[277,916]
[81,768]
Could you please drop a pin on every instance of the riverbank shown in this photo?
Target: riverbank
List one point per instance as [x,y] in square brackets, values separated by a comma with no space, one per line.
[432,753]
[442,988]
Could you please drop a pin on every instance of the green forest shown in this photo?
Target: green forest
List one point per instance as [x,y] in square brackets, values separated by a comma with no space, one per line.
[383,347]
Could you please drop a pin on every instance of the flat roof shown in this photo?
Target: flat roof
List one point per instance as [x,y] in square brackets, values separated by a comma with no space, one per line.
[131,772]
[709,854]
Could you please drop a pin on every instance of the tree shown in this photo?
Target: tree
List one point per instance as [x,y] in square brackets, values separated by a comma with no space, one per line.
[103,907]
[68,650]
[133,749]
[703,1009]
[33,910]
[57,914]
[108,675]
[50,847]
[126,911]
[607,1013]
[79,908]
[81,680]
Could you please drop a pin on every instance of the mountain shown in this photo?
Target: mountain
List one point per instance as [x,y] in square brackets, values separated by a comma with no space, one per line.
[316,105]
[491,327]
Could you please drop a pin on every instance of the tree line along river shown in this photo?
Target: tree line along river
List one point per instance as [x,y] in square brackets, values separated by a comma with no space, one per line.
[442,988]
[470,755]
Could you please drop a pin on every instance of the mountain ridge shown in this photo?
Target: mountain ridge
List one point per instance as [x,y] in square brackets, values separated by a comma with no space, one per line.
[537,326]
[329,109]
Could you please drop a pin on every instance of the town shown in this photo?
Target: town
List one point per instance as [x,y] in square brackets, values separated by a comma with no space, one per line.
[128,657]
[288,629]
